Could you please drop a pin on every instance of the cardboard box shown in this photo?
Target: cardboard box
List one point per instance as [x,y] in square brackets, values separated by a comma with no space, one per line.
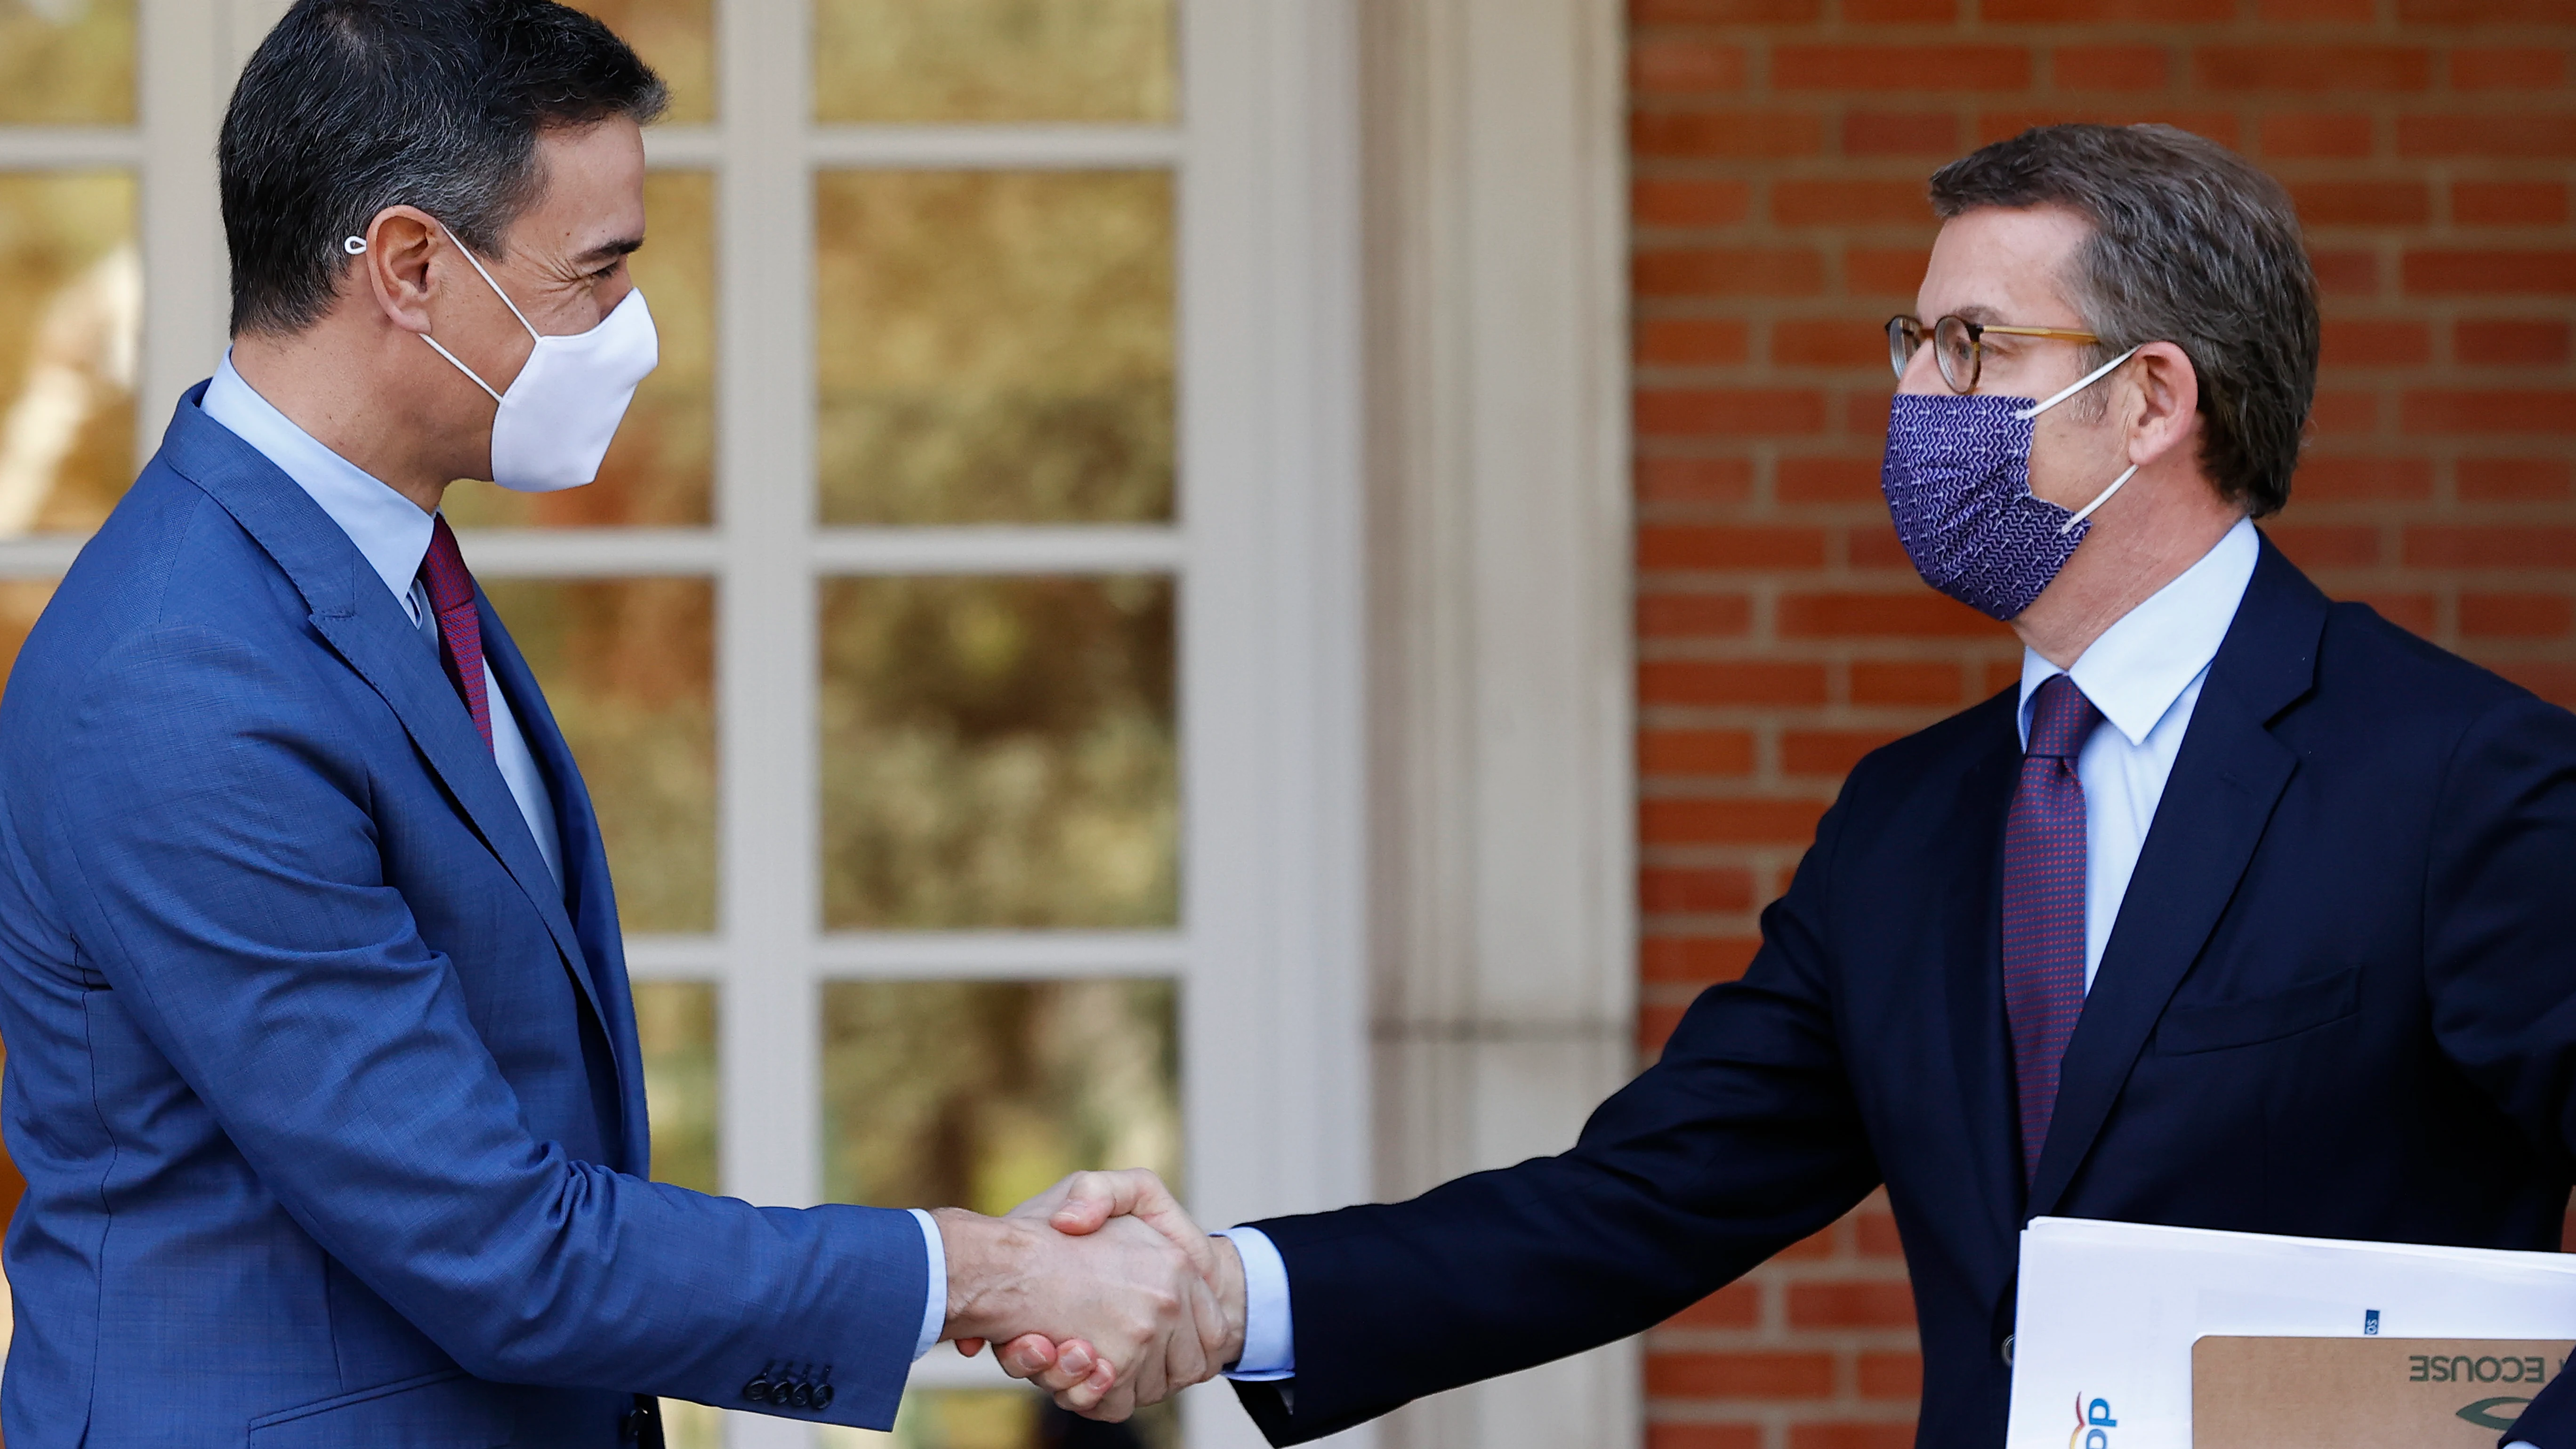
[2359,1393]
[2112,1318]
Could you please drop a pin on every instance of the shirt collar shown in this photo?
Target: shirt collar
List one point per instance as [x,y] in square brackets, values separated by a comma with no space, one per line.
[389,529]
[2145,660]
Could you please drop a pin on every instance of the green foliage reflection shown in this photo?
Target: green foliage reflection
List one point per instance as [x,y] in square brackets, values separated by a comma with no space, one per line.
[676,1024]
[994,347]
[66,62]
[981,1093]
[998,752]
[628,666]
[993,60]
[71,319]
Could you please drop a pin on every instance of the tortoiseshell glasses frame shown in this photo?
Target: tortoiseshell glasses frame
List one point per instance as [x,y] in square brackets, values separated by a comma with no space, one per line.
[1958,345]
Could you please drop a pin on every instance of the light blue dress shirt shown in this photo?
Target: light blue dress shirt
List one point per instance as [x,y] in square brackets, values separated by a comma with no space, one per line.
[2144,674]
[392,534]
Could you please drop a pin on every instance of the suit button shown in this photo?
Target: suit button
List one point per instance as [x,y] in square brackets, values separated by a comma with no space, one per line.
[801,1396]
[822,1396]
[758,1389]
[2004,1349]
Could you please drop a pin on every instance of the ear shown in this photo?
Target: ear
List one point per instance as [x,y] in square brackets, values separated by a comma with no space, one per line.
[2164,402]
[403,244]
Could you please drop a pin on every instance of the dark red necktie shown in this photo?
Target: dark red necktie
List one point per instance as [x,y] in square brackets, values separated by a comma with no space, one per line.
[2044,905]
[460,629]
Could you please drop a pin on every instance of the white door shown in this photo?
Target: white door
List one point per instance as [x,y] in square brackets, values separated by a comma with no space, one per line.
[962,646]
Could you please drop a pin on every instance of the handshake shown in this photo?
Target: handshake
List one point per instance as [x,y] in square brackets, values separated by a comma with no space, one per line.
[1099,1290]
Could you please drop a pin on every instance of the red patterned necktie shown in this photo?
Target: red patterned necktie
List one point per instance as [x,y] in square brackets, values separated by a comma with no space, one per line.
[460,629]
[2044,905]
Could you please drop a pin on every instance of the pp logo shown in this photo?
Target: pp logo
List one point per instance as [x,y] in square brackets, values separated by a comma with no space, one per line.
[2093,1425]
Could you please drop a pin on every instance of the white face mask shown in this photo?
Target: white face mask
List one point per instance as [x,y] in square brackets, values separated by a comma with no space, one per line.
[556,421]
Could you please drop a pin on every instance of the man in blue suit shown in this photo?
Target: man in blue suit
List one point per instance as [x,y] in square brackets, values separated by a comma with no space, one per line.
[322,1064]
[2244,910]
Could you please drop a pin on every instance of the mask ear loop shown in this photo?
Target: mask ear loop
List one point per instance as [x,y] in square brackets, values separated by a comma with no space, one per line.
[468,253]
[2099,499]
[2070,390]
[460,366]
[472,261]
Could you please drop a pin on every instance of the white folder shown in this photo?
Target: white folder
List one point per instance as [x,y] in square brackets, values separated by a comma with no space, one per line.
[2108,1313]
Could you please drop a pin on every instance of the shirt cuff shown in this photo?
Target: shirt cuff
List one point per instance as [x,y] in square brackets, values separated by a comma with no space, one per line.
[1269,1332]
[934,1308]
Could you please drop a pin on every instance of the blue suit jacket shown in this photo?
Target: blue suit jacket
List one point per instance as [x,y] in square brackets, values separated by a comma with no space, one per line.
[327,1098]
[2339,1000]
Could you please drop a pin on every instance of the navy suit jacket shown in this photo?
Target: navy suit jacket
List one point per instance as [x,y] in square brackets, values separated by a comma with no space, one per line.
[2339,1001]
[328,1099]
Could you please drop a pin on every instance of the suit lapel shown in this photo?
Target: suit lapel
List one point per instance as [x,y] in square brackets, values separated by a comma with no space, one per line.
[373,635]
[382,647]
[586,880]
[2226,780]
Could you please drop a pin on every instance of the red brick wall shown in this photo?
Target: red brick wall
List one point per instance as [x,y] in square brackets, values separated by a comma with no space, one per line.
[1780,148]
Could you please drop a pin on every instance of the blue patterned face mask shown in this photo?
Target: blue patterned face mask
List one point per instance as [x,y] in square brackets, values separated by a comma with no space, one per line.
[1957,479]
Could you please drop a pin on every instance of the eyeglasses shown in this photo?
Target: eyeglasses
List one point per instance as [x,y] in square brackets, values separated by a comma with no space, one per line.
[1958,345]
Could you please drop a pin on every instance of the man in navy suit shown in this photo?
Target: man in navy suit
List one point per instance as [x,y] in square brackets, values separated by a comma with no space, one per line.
[322,1064]
[2243,910]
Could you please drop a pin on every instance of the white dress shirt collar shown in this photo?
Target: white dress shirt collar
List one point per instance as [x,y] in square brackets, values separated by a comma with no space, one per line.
[2144,661]
[389,529]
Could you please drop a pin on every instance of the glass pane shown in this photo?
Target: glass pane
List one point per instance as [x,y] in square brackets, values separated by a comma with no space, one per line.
[661,469]
[1002,1419]
[678,39]
[982,1093]
[21,601]
[993,60]
[676,1021]
[66,61]
[628,666]
[995,347]
[998,753]
[71,318]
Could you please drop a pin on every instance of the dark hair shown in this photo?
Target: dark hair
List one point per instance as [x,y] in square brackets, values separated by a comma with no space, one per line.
[351,106]
[2191,245]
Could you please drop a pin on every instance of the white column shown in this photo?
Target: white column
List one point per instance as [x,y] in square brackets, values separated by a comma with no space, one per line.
[184,76]
[768,825]
[1503,926]
[1276,1062]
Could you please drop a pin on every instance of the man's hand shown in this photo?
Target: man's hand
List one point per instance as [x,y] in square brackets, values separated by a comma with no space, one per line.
[1086,1203]
[1133,1312]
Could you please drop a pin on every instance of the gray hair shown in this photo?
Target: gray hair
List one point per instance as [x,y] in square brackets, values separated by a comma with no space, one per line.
[2191,245]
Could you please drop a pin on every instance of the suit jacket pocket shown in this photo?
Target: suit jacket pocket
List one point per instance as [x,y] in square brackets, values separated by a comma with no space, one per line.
[443,1410]
[2251,1020]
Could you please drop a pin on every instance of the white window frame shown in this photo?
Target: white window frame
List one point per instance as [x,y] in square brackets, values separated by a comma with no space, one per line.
[1266,554]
